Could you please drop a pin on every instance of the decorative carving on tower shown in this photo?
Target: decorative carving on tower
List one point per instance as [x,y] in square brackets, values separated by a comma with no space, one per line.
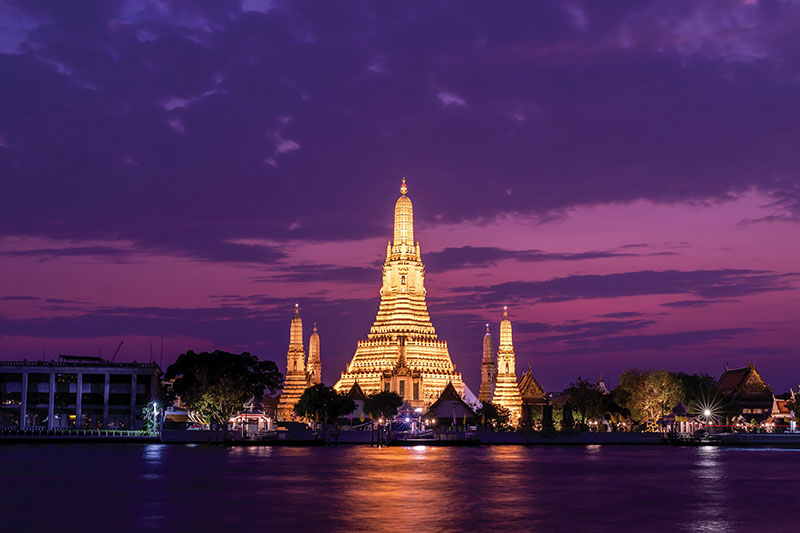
[506,390]
[402,353]
[296,379]
[488,369]
[314,367]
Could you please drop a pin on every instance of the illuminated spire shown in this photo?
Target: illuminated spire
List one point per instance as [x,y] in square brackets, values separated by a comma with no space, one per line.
[506,392]
[488,369]
[506,338]
[488,348]
[403,219]
[296,330]
[314,366]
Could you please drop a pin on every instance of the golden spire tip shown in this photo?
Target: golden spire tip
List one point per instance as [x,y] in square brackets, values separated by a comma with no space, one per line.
[403,188]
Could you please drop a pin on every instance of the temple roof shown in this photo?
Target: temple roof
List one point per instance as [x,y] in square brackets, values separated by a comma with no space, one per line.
[779,407]
[744,380]
[356,393]
[450,394]
[529,388]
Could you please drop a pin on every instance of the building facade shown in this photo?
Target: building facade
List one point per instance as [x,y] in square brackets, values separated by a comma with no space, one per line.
[76,392]
[402,353]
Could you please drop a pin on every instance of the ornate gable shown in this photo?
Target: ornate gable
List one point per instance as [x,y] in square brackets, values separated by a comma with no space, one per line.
[753,383]
[529,388]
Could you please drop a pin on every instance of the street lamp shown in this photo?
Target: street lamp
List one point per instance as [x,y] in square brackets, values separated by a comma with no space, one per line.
[155,417]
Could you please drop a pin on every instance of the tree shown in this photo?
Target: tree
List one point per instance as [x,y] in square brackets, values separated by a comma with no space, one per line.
[585,399]
[321,402]
[650,393]
[495,416]
[218,384]
[382,404]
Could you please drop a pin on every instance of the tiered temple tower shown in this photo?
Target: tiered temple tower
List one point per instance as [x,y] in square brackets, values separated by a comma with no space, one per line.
[314,367]
[296,379]
[488,369]
[402,353]
[506,391]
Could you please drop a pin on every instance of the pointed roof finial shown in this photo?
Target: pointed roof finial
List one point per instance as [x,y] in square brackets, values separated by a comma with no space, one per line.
[505,311]
[315,327]
[487,327]
[296,309]
[403,188]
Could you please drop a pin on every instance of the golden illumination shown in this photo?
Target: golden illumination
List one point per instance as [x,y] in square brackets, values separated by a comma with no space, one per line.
[488,369]
[402,353]
[299,374]
[506,390]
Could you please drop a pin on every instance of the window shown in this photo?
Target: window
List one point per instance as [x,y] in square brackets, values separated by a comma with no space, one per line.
[295,366]
[416,391]
[386,387]
[402,388]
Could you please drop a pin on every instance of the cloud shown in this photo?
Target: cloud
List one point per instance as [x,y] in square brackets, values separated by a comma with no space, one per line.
[286,145]
[452,258]
[450,99]
[654,342]
[705,284]
[84,88]
[695,303]
[321,273]
[621,314]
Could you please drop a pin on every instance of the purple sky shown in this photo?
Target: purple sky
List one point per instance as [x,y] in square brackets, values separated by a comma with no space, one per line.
[623,175]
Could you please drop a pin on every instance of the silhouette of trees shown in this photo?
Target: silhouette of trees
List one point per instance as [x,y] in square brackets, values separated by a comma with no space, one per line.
[323,404]
[495,416]
[218,384]
[382,404]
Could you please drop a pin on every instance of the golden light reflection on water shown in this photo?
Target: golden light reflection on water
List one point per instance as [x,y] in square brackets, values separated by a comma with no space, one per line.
[434,489]
[541,488]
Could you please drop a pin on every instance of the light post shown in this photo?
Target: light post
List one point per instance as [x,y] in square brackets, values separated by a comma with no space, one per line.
[155,417]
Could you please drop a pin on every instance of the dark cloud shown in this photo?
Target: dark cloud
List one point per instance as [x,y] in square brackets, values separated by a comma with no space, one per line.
[621,314]
[483,256]
[653,342]
[694,303]
[706,284]
[159,122]
[323,273]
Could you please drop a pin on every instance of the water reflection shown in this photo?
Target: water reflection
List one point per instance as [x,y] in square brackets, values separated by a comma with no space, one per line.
[199,488]
[709,511]
[152,473]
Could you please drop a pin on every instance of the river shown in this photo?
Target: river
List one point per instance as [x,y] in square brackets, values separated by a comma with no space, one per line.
[131,487]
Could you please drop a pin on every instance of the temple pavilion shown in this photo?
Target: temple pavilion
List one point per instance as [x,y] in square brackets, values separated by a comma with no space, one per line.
[402,353]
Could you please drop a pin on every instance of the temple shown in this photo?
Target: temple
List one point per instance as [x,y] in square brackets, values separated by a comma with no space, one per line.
[402,353]
[299,374]
[506,390]
[488,369]
[314,369]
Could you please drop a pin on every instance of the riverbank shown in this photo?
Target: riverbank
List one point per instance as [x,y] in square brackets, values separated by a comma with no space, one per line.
[309,438]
